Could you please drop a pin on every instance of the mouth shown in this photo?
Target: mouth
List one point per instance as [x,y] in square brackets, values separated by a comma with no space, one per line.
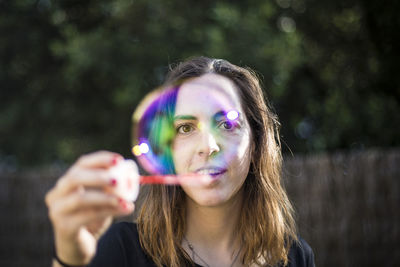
[214,172]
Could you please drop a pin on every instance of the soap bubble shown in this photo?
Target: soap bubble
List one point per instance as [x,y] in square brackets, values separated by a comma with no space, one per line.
[154,130]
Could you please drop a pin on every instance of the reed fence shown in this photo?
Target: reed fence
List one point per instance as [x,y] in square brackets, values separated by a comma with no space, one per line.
[347,206]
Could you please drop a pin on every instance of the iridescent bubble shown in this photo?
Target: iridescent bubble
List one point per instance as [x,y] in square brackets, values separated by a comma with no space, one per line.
[154,129]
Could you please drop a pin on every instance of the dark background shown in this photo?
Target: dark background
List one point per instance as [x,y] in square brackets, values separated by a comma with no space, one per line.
[72,72]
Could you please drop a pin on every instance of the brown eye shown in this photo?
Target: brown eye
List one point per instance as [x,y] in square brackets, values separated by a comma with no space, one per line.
[184,129]
[227,125]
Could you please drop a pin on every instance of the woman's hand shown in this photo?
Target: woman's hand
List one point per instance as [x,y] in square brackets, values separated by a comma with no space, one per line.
[81,206]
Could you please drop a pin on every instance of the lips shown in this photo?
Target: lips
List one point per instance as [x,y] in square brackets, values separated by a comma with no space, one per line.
[212,171]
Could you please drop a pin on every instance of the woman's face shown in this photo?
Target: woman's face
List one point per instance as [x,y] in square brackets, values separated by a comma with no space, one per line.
[212,137]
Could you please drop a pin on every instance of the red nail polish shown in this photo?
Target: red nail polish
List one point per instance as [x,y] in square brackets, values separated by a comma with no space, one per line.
[115,160]
[113,182]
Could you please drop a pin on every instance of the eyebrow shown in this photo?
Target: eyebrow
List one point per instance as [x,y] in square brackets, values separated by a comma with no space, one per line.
[216,116]
[185,117]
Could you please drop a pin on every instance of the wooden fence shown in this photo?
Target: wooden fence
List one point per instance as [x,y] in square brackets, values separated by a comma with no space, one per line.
[347,209]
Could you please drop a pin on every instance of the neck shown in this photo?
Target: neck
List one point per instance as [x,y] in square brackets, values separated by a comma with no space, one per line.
[214,228]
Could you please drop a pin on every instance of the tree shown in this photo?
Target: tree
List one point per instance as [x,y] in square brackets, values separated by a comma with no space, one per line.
[73,71]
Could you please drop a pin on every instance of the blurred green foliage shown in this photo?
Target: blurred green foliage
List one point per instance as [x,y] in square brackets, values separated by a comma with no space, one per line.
[72,72]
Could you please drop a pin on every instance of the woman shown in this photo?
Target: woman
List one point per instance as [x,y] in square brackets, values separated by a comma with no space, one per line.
[240,217]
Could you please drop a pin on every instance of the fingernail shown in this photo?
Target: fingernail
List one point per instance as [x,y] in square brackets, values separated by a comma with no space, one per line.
[113,182]
[115,159]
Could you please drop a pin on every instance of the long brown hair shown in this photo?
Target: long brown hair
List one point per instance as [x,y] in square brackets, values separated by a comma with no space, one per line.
[266,226]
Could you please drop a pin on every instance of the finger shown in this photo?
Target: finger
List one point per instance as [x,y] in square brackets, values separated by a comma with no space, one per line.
[95,216]
[99,159]
[78,177]
[98,227]
[67,225]
[90,199]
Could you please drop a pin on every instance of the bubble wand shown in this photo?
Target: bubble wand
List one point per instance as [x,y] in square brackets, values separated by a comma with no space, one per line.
[192,179]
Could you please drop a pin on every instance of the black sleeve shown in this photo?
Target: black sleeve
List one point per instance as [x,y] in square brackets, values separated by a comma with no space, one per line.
[301,255]
[120,247]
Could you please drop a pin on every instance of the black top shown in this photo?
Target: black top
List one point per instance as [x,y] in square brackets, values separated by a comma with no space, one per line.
[120,247]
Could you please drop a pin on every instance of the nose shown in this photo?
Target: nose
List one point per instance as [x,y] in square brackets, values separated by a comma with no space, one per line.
[208,144]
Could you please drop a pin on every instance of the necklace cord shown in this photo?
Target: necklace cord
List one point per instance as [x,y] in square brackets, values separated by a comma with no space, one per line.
[200,258]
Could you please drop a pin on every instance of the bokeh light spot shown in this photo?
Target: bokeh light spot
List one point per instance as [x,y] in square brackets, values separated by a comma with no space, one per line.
[200,126]
[136,151]
[232,115]
[144,148]
[286,24]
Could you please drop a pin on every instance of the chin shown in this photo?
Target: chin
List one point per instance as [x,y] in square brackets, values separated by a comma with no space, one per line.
[210,200]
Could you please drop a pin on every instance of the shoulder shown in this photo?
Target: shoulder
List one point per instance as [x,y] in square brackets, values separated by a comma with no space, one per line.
[301,254]
[120,246]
